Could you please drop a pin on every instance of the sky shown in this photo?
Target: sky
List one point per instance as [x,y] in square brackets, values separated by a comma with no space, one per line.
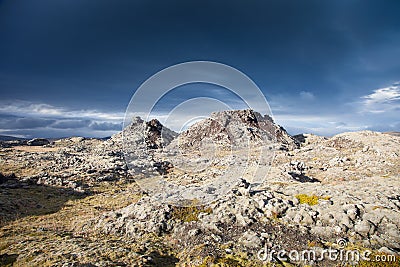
[70,67]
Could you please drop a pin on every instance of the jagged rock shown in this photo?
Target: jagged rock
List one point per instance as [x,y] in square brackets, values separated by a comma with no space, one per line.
[236,128]
[154,131]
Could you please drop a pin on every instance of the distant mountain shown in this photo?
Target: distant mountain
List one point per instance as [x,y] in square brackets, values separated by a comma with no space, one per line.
[10,138]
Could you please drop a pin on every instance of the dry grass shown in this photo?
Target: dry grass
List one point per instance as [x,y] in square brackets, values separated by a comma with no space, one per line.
[381,260]
[45,234]
[17,168]
[189,213]
[35,148]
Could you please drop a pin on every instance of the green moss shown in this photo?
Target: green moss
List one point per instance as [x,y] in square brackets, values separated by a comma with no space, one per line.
[306,199]
[390,261]
[228,262]
[310,199]
[190,213]
[242,261]
[207,261]
[4,245]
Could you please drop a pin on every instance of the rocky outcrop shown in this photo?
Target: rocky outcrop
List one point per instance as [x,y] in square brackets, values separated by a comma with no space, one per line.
[153,133]
[237,128]
[292,217]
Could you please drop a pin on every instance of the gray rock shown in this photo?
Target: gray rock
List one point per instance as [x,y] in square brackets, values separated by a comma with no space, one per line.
[275,207]
[142,217]
[250,239]
[352,211]
[364,227]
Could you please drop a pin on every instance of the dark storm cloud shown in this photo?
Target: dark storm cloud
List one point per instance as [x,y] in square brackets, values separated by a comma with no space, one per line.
[31,127]
[99,42]
[71,124]
[92,55]
[24,123]
[30,119]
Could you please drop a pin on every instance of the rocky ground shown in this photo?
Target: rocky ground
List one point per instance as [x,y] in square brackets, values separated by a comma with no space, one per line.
[75,202]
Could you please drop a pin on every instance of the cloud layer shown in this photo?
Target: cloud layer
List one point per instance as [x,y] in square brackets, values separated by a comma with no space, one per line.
[306,113]
[23,118]
[382,100]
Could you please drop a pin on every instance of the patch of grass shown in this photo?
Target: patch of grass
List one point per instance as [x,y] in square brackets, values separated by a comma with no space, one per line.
[33,201]
[311,244]
[207,261]
[380,259]
[376,258]
[4,245]
[310,199]
[190,213]
[228,261]
[324,197]
[62,218]
[240,261]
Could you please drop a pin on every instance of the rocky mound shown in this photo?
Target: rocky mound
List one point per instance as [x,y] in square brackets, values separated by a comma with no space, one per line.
[140,134]
[237,128]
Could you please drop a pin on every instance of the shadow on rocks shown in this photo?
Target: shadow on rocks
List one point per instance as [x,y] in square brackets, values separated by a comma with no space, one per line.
[163,260]
[300,138]
[8,259]
[22,198]
[303,178]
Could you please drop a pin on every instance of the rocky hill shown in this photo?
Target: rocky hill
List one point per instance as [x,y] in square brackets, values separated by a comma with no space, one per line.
[76,201]
[237,129]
